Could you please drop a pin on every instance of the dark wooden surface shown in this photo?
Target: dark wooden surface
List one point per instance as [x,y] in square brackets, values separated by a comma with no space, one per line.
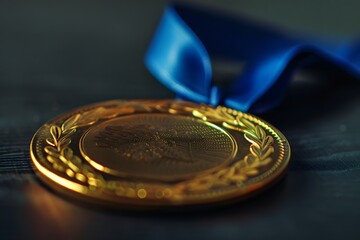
[57,56]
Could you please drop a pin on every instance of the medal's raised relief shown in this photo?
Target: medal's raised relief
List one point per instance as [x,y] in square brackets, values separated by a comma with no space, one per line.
[158,153]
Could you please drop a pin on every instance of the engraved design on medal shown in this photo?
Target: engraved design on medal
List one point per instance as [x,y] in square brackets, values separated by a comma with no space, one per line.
[157,146]
[63,158]
[237,173]
[146,143]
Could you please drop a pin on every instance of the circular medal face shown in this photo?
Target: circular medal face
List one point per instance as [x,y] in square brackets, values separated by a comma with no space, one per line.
[158,153]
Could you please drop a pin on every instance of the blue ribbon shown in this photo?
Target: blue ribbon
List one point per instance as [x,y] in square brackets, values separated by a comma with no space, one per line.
[187,39]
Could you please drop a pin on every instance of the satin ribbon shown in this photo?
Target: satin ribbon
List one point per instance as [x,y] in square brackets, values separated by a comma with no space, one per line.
[188,39]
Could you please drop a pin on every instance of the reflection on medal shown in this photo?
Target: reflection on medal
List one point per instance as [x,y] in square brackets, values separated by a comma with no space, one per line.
[158,153]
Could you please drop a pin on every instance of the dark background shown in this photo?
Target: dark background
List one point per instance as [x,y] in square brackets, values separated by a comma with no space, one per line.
[57,55]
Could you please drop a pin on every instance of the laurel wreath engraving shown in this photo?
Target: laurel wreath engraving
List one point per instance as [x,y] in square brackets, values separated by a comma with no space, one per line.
[259,156]
[63,159]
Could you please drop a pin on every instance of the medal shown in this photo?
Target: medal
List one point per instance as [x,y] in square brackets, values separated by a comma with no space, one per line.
[158,153]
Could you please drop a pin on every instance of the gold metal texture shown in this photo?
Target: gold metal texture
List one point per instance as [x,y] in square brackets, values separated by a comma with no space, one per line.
[158,153]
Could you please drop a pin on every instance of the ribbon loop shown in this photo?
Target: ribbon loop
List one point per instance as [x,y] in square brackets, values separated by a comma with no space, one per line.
[187,39]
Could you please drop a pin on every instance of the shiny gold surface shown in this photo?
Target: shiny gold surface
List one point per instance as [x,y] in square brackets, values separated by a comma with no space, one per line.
[156,153]
[157,146]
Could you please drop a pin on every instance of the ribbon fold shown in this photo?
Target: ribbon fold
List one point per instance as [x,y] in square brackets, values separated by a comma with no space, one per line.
[189,42]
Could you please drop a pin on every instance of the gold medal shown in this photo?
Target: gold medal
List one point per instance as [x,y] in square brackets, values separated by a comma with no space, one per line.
[158,153]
